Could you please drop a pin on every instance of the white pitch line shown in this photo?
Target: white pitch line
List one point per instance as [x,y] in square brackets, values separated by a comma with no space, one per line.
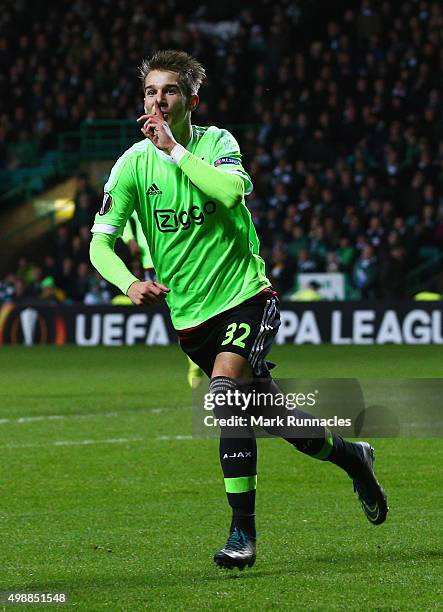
[66,417]
[173,438]
[92,442]
[74,443]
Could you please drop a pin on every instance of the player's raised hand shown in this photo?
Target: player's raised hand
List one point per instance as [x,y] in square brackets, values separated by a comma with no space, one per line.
[156,128]
[147,292]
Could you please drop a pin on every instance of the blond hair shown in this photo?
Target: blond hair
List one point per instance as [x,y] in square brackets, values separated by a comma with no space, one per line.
[190,72]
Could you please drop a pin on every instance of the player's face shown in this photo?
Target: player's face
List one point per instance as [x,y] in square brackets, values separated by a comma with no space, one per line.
[163,86]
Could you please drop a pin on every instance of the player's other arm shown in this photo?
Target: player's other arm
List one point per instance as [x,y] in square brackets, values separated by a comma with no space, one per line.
[108,263]
[118,205]
[113,269]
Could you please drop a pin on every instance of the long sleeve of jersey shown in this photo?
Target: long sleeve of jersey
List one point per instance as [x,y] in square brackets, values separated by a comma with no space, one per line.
[225,187]
[108,263]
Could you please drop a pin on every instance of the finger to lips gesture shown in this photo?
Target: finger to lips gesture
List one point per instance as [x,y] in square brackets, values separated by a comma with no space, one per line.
[157,129]
[155,112]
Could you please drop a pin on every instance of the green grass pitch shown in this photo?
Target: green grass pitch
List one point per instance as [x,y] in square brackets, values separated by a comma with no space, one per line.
[101,498]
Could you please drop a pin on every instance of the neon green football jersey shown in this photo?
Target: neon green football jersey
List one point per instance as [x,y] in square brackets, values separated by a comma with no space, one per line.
[205,253]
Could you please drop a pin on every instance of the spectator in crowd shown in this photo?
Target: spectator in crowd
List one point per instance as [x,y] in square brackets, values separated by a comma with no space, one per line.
[98,291]
[307,294]
[392,272]
[305,262]
[281,272]
[8,288]
[86,202]
[49,292]
[365,272]
[65,276]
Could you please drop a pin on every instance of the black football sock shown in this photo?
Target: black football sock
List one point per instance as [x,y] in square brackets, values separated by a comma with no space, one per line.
[243,511]
[238,459]
[317,441]
[346,455]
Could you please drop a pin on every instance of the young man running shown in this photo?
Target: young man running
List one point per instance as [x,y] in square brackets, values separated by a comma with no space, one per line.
[187,186]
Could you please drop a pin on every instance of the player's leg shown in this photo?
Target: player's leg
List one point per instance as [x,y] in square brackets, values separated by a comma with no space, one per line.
[355,458]
[238,455]
[240,332]
[238,459]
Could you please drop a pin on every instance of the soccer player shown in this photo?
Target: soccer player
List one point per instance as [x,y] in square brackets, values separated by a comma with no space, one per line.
[187,185]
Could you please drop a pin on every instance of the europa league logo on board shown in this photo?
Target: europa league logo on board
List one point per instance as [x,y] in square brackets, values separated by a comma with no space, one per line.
[29,326]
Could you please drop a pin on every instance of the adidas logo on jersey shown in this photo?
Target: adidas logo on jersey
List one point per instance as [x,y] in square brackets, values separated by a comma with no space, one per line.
[154,190]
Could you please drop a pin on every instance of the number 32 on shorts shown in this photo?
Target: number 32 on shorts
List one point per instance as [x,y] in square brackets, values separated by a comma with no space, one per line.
[240,330]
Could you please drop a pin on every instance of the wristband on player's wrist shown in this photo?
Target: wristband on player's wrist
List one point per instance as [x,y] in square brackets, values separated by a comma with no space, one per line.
[177,152]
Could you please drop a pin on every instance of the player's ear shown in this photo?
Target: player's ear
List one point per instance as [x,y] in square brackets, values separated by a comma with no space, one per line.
[193,102]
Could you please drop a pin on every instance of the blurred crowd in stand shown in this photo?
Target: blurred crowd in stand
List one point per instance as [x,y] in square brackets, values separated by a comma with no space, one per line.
[340,125]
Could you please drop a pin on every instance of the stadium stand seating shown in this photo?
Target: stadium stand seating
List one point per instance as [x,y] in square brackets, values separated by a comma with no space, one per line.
[341,131]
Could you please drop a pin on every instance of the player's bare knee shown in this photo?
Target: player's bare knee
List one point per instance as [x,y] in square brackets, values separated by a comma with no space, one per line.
[233,366]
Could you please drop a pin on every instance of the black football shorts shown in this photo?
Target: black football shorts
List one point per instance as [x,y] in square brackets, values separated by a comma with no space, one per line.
[247,329]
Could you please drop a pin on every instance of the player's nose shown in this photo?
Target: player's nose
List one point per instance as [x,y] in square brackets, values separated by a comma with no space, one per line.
[161,98]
